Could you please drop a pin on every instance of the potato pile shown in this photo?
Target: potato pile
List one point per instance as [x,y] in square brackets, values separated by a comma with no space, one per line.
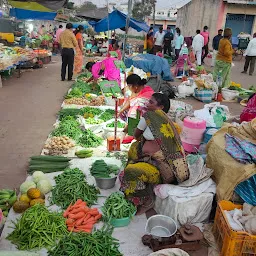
[77,101]
[59,145]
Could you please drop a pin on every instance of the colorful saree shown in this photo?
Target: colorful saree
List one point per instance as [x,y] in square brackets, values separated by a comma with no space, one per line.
[168,165]
[78,61]
[111,72]
[225,69]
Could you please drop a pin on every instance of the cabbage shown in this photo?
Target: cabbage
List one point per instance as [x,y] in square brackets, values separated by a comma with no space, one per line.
[44,186]
[37,176]
[25,186]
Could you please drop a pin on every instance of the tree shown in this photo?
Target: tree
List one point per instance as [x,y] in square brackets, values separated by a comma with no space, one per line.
[142,9]
[88,5]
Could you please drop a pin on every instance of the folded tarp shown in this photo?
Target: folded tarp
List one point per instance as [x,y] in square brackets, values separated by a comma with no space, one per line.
[39,5]
[117,19]
[22,14]
[151,63]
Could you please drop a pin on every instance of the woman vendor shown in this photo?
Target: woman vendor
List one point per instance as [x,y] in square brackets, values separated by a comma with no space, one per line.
[224,59]
[115,52]
[156,157]
[140,95]
[105,68]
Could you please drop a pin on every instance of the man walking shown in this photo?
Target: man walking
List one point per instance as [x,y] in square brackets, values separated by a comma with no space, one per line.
[197,45]
[205,34]
[68,43]
[158,40]
[168,37]
[250,56]
[215,45]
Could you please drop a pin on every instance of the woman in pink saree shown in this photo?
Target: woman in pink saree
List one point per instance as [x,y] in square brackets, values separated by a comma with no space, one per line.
[105,68]
[141,94]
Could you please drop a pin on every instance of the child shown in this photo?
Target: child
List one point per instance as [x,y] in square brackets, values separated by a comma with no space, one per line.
[183,62]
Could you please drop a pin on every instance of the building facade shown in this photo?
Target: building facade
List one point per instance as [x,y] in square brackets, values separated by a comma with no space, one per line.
[236,14]
[163,17]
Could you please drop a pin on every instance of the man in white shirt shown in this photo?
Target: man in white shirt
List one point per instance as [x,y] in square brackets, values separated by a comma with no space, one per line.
[250,54]
[158,41]
[197,45]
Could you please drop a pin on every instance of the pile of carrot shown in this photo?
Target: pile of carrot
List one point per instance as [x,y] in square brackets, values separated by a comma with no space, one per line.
[81,218]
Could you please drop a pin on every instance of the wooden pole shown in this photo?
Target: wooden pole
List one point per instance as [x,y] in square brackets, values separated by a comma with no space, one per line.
[127,25]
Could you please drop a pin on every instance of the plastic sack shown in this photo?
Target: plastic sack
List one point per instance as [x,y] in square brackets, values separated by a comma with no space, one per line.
[204,114]
[169,252]
[185,90]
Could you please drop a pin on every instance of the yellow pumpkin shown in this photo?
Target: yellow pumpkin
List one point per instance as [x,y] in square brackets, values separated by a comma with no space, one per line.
[36,201]
[34,193]
[25,198]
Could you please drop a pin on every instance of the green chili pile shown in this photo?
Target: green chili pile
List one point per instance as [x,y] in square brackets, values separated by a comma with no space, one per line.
[38,228]
[117,207]
[70,186]
[99,243]
[119,125]
[68,127]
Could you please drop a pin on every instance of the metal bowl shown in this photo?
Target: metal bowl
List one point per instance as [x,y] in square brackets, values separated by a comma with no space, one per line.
[161,226]
[105,183]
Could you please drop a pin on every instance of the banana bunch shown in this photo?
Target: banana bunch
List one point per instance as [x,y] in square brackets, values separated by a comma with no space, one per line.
[85,153]
[7,198]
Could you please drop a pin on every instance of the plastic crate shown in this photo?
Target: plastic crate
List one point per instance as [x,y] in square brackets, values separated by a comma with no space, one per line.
[232,243]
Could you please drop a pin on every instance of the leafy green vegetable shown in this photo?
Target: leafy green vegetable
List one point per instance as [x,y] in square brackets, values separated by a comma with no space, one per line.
[89,139]
[119,124]
[74,112]
[75,93]
[87,88]
[107,115]
[90,110]
[38,228]
[71,186]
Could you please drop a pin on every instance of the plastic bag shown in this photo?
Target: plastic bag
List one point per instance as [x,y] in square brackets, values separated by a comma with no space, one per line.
[204,114]
[185,90]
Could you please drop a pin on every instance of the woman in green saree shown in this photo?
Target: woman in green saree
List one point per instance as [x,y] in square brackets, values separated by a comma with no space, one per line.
[156,157]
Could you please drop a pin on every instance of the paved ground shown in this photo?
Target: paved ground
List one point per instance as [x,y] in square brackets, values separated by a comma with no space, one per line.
[28,107]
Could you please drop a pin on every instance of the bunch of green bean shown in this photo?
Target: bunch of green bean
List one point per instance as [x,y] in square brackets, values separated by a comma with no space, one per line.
[70,186]
[38,228]
[117,207]
[99,243]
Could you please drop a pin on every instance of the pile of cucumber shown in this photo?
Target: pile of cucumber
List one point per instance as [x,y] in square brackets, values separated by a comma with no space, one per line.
[100,169]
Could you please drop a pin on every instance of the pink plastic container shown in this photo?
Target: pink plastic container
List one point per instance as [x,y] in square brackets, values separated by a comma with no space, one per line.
[192,133]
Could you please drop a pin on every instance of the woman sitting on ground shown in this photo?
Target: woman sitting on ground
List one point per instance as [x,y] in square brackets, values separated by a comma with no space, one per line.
[156,157]
[106,69]
[140,94]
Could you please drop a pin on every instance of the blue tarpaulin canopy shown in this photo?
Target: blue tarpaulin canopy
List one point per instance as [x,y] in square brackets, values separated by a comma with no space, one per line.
[23,14]
[75,25]
[115,20]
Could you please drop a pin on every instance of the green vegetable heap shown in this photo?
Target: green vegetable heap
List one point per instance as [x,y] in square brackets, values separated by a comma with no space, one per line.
[71,186]
[63,113]
[100,169]
[38,228]
[69,127]
[87,88]
[119,124]
[107,115]
[89,139]
[74,93]
[98,243]
[89,110]
[117,207]
[91,120]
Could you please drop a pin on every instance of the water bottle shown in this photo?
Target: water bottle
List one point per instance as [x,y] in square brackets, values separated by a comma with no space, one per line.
[219,80]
